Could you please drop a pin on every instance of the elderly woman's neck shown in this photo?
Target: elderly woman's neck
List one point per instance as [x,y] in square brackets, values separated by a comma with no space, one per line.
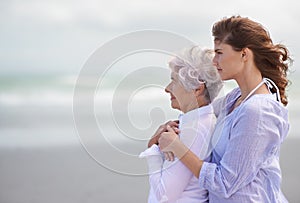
[193,106]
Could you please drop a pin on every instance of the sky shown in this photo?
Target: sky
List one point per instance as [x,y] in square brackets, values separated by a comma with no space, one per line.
[58,36]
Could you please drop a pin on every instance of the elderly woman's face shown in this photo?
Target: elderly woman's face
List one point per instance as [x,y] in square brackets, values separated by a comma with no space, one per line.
[181,98]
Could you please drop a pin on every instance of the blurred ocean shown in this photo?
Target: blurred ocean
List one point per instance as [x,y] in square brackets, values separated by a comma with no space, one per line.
[39,142]
[37,110]
[32,103]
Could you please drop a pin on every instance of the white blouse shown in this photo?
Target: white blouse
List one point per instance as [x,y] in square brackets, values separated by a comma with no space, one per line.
[173,181]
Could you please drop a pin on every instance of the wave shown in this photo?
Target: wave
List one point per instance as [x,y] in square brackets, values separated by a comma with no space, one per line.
[54,97]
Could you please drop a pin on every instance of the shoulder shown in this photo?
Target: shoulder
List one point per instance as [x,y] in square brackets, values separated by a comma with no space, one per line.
[261,103]
[263,109]
[261,115]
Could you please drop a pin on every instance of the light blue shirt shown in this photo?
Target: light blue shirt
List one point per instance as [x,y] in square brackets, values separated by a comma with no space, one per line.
[245,160]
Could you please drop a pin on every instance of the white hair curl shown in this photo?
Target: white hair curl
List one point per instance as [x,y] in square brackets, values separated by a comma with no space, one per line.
[194,67]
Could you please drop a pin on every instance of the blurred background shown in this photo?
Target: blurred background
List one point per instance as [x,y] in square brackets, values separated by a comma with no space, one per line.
[43,47]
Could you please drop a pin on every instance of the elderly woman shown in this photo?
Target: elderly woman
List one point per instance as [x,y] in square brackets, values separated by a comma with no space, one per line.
[194,84]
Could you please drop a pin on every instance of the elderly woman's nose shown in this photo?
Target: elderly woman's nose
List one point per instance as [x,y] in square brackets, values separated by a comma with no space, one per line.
[167,89]
[215,61]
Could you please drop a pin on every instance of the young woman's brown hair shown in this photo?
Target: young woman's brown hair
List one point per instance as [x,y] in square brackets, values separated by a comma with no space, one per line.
[272,60]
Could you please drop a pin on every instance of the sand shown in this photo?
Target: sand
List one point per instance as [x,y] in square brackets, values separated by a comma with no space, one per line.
[67,174]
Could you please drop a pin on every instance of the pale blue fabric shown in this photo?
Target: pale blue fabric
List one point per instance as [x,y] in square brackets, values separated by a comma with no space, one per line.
[245,160]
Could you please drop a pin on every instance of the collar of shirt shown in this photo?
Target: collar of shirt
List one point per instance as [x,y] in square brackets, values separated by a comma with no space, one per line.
[194,114]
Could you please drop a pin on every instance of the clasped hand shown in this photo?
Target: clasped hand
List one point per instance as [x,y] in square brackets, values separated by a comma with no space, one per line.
[165,137]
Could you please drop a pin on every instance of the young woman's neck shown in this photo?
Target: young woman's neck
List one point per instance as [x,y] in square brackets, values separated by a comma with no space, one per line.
[248,81]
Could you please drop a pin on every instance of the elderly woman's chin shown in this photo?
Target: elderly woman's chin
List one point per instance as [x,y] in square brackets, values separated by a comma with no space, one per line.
[175,105]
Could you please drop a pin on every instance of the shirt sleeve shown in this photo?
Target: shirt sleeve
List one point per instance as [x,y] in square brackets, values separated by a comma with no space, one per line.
[175,176]
[253,137]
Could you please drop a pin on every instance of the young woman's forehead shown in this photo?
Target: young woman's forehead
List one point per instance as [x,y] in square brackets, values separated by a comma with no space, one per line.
[221,46]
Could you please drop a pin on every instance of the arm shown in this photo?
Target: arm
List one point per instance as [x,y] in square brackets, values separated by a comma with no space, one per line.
[169,141]
[252,139]
[251,143]
[175,176]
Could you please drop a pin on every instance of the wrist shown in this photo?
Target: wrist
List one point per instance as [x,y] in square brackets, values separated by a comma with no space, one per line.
[179,150]
[153,141]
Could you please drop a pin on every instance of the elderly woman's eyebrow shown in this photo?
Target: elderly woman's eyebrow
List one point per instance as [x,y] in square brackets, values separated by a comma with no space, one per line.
[172,76]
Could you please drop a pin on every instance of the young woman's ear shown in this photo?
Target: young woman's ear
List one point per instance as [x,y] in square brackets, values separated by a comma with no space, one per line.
[246,53]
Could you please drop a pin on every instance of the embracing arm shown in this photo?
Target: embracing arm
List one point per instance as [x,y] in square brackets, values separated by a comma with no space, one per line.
[253,140]
[175,176]
[169,141]
[192,162]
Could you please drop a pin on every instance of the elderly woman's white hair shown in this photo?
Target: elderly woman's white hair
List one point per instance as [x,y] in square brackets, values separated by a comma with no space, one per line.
[194,67]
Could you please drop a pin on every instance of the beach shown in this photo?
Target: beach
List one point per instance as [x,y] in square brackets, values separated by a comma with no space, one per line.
[44,159]
[67,174]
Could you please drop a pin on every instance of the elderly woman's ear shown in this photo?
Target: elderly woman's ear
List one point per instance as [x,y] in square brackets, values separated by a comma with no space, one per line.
[200,91]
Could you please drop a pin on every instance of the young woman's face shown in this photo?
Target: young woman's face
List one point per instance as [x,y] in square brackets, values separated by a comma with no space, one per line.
[228,62]
[181,99]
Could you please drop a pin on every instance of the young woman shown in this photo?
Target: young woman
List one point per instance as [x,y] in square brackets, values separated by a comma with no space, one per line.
[252,120]
[194,84]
